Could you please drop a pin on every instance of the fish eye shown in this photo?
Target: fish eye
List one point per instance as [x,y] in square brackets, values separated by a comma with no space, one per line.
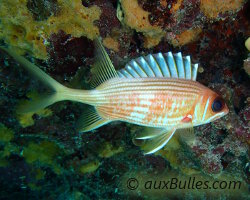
[217,104]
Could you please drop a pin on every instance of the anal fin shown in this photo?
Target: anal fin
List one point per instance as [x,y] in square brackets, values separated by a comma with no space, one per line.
[90,120]
[155,143]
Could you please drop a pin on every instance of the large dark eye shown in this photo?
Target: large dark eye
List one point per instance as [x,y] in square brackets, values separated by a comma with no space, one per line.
[217,105]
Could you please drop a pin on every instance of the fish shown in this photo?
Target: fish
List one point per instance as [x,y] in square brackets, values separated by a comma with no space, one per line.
[158,92]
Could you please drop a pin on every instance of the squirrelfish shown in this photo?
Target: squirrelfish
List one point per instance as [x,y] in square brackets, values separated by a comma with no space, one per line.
[158,91]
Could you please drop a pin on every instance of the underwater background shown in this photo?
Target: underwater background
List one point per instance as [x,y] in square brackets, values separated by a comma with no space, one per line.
[42,156]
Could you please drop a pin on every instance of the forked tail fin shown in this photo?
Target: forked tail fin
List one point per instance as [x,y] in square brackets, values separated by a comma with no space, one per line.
[103,70]
[46,99]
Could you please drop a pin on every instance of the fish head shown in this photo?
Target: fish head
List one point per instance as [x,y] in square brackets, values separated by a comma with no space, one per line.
[212,108]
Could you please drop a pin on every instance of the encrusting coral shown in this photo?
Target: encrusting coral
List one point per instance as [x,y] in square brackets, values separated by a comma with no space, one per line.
[89,167]
[214,9]
[19,29]
[26,119]
[6,147]
[180,22]
[137,18]
[186,37]
[44,153]
[6,134]
[106,150]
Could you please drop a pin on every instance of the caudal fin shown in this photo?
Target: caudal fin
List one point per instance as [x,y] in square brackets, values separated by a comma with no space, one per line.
[43,100]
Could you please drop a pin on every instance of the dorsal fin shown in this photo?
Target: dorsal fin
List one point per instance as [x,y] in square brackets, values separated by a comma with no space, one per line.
[103,68]
[160,65]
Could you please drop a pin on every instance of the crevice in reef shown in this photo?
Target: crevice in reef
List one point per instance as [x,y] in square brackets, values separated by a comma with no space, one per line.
[43,9]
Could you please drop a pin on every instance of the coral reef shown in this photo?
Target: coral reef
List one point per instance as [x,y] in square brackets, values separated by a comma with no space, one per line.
[89,167]
[138,19]
[43,156]
[111,44]
[186,37]
[216,8]
[178,21]
[26,119]
[6,134]
[28,32]
[45,153]
[107,150]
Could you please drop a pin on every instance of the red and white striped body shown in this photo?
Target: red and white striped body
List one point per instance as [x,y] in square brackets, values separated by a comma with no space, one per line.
[154,102]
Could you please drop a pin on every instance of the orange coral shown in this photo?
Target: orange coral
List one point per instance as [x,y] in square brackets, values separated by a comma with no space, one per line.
[137,18]
[212,8]
[111,43]
[150,42]
[176,6]
[186,37]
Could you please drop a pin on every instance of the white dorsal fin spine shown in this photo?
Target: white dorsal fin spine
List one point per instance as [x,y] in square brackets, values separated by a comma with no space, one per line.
[137,67]
[154,65]
[131,71]
[163,65]
[126,73]
[188,67]
[160,65]
[180,65]
[120,74]
[171,65]
[146,67]
[194,71]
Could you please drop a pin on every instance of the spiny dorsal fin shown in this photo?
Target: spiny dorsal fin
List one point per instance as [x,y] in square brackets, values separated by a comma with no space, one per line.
[155,143]
[103,68]
[160,65]
[90,120]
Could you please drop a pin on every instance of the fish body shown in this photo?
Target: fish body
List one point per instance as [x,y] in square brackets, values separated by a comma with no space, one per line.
[158,91]
[154,102]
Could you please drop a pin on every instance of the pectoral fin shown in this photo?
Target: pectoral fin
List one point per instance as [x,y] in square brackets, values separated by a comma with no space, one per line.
[155,143]
[149,132]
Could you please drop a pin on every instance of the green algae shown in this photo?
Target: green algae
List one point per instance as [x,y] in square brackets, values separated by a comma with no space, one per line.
[44,153]
[6,134]
[7,148]
[89,167]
